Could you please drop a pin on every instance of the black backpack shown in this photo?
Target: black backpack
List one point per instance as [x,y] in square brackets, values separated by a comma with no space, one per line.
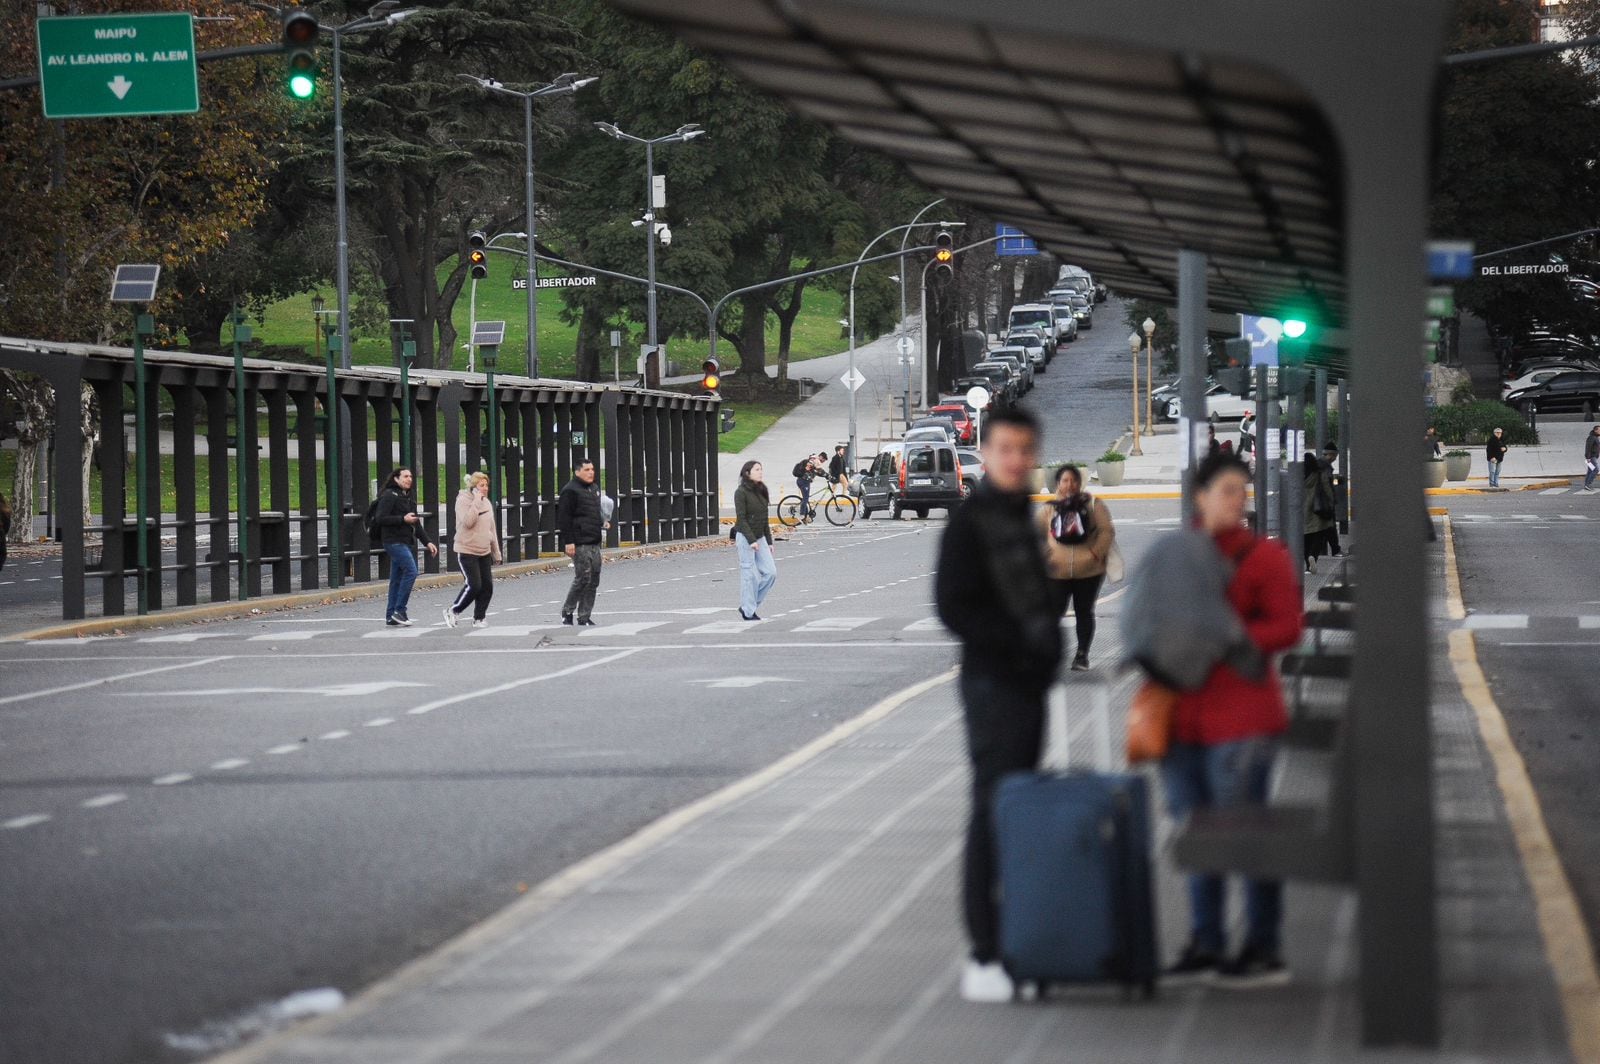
[801,469]
[370,522]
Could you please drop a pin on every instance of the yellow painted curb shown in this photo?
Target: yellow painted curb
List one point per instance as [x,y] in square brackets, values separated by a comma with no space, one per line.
[1538,485]
[516,916]
[215,611]
[1567,945]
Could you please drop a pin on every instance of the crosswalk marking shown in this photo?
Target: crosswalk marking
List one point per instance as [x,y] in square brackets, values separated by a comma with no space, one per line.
[1555,491]
[625,628]
[723,627]
[510,631]
[1479,621]
[927,624]
[399,633]
[300,635]
[835,624]
[184,637]
[1589,622]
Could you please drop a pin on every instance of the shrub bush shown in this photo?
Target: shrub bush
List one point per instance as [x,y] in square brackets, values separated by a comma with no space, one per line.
[1463,394]
[1471,423]
[1113,456]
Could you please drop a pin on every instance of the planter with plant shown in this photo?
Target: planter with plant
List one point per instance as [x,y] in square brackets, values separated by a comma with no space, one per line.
[1433,472]
[1110,466]
[1457,465]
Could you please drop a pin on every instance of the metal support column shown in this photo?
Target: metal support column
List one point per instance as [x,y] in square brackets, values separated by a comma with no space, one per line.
[1292,383]
[1264,404]
[1191,368]
[241,470]
[1321,401]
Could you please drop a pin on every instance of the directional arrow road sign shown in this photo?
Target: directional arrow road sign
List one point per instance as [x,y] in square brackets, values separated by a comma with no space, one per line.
[113,66]
[853,379]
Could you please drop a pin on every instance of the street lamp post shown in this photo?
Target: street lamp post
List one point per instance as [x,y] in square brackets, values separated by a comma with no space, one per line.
[1134,343]
[902,330]
[563,84]
[683,134]
[1149,326]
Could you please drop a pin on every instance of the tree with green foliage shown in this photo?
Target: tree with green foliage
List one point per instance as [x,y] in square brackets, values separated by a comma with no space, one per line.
[1518,140]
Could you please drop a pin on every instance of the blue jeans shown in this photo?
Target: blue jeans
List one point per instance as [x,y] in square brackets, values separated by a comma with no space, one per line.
[1589,472]
[402,574]
[757,573]
[1494,474]
[1216,777]
[804,484]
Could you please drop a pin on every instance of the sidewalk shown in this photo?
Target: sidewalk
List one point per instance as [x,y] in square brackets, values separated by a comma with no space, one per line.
[809,914]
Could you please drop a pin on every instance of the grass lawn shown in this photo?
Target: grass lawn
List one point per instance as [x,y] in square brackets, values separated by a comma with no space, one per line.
[816,331]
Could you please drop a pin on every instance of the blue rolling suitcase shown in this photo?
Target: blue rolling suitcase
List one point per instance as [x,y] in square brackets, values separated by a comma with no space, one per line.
[1075,881]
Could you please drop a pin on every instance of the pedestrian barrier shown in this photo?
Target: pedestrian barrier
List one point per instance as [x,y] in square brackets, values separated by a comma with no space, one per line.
[656,453]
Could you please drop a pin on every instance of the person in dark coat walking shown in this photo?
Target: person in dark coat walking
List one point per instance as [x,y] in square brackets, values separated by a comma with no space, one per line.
[1495,451]
[1591,461]
[752,534]
[993,591]
[5,528]
[581,527]
[1317,503]
[399,528]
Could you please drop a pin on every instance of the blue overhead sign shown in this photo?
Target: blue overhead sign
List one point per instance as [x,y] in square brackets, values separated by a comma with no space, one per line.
[1450,260]
[1013,242]
[1263,334]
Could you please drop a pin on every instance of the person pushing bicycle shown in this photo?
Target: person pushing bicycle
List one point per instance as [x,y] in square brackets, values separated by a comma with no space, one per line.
[805,471]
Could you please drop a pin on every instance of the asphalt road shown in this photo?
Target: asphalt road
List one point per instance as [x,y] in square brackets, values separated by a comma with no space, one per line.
[1527,575]
[1086,397]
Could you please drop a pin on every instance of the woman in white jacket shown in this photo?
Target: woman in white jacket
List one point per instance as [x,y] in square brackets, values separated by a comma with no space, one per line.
[477,548]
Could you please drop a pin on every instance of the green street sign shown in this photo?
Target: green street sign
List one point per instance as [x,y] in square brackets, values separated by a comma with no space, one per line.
[115,66]
[1441,302]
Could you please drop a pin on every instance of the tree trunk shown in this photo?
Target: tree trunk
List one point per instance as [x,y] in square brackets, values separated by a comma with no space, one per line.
[1008,294]
[90,426]
[786,319]
[751,341]
[35,402]
[591,327]
[24,503]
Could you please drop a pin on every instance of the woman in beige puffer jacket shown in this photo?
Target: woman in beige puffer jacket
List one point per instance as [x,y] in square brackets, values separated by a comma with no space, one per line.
[1078,537]
[477,548]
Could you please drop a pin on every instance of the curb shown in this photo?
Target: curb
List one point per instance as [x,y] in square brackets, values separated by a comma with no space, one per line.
[1537,485]
[217,611]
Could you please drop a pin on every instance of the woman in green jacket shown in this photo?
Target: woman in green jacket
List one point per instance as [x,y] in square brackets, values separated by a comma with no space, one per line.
[752,534]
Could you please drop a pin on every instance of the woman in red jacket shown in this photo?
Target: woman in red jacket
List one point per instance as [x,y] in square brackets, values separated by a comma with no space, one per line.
[1226,733]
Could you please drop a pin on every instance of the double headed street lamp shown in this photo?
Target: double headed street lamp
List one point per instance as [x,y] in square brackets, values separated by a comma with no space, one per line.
[1134,343]
[1149,327]
[682,134]
[566,83]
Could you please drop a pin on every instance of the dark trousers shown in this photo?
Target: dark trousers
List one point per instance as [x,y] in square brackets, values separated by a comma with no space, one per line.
[402,574]
[479,586]
[1080,595]
[1005,733]
[585,581]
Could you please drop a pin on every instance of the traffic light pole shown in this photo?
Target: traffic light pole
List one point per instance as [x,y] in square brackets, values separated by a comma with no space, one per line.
[654,357]
[533,247]
[242,472]
[142,327]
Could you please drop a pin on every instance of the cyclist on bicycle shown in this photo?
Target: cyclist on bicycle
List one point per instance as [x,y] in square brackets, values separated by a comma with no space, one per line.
[806,470]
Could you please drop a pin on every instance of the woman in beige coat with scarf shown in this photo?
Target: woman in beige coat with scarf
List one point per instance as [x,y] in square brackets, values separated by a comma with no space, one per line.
[477,549]
[1078,537]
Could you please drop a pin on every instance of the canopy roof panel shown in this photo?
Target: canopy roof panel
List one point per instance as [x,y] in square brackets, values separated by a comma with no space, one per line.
[1110,156]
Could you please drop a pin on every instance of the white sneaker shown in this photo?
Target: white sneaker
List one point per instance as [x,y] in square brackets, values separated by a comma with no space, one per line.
[480,624]
[986,984]
[449,617]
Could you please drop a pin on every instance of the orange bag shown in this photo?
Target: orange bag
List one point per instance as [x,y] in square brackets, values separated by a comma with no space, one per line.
[1150,722]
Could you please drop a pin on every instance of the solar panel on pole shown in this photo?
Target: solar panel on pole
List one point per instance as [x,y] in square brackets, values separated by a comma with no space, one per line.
[135,284]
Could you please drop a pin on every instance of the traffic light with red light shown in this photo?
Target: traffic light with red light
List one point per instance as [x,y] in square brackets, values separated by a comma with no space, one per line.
[300,31]
[711,378]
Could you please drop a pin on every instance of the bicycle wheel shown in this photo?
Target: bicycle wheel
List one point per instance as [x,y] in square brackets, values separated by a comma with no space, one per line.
[841,509]
[791,511]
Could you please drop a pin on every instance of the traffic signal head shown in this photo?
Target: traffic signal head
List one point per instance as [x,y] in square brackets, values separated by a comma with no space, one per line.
[711,377]
[944,256]
[300,31]
[476,239]
[1294,328]
[478,260]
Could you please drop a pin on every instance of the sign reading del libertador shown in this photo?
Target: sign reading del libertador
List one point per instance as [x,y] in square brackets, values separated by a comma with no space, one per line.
[521,283]
[1522,269]
[116,66]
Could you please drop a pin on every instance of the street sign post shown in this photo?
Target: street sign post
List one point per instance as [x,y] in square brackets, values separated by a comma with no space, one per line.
[115,66]
[853,379]
[904,346]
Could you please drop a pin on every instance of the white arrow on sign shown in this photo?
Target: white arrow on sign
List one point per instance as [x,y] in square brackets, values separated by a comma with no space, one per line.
[904,345]
[853,379]
[119,86]
[743,681]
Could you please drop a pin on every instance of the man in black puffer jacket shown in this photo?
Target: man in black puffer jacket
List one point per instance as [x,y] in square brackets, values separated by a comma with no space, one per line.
[581,527]
[992,590]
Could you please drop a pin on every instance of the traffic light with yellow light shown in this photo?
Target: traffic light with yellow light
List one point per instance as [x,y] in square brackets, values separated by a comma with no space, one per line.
[478,260]
[711,378]
[944,256]
[300,31]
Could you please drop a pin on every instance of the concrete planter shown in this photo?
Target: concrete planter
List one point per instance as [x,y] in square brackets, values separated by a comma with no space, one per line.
[1433,472]
[1457,467]
[1110,473]
[1036,482]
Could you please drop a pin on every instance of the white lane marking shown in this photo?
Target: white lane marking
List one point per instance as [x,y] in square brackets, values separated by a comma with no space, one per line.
[184,637]
[690,611]
[17,823]
[1481,621]
[118,678]
[378,722]
[927,624]
[743,681]
[428,707]
[723,627]
[835,624]
[334,690]
[1555,491]
[1589,622]
[401,633]
[511,631]
[299,635]
[171,778]
[284,748]
[100,801]
[229,763]
[625,628]
[337,734]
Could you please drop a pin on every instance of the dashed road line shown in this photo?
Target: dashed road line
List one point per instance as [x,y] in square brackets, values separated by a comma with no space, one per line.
[229,763]
[17,823]
[171,779]
[100,801]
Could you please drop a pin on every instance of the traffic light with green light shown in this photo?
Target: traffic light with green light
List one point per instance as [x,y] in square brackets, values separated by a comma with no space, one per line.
[300,31]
